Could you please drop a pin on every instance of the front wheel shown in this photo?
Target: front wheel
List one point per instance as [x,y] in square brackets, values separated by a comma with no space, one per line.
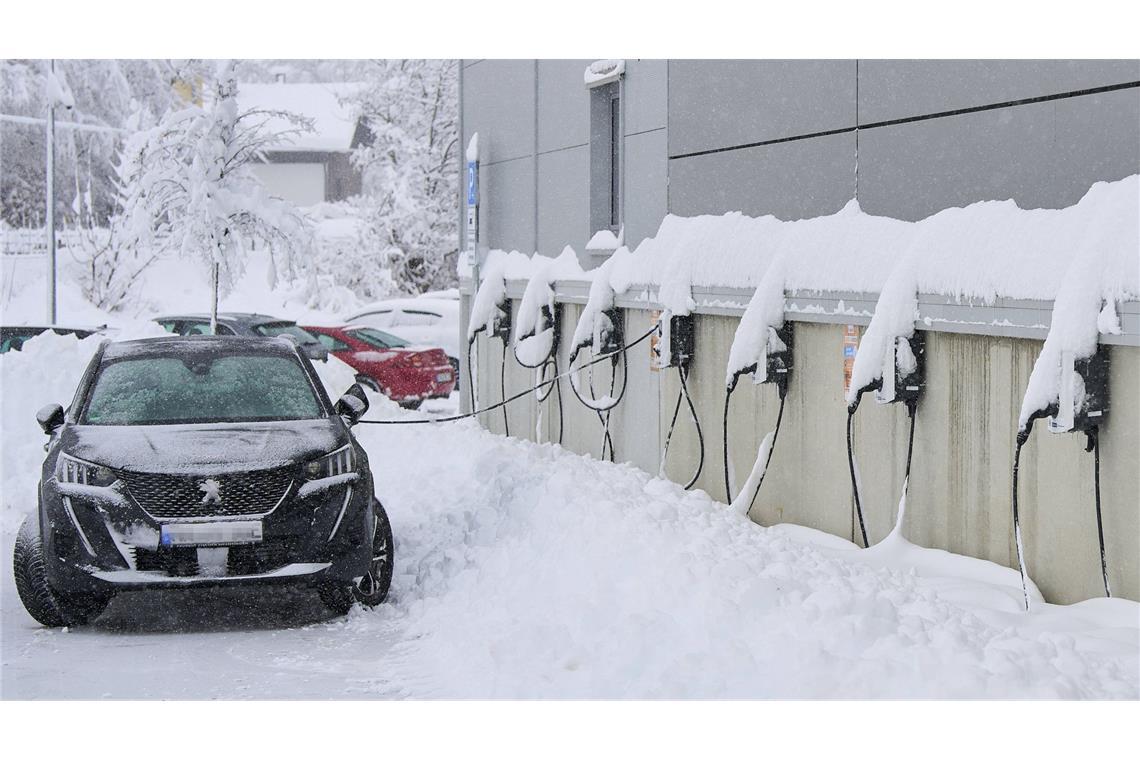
[42,602]
[372,588]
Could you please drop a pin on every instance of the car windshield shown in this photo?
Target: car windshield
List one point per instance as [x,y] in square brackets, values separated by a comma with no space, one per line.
[377,338]
[173,390]
[286,328]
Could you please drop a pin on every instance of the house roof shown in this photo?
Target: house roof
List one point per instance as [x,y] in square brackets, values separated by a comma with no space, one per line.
[334,122]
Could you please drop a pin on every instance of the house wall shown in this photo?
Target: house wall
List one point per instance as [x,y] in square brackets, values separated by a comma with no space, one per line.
[300,184]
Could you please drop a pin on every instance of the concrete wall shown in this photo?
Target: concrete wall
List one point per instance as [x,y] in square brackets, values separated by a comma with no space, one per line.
[960,495]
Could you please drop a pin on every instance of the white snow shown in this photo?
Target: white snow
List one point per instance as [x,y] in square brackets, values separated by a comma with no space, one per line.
[605,240]
[605,70]
[334,122]
[526,571]
[743,501]
[473,147]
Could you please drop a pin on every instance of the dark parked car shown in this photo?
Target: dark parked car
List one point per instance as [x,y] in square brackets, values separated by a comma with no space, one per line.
[13,338]
[389,365]
[186,462]
[244,324]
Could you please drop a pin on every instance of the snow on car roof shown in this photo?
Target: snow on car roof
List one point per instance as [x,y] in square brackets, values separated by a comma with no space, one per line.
[442,305]
[197,344]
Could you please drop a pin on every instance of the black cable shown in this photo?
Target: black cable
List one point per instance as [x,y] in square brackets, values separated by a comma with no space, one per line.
[1094,444]
[1022,437]
[470,371]
[603,411]
[515,397]
[724,427]
[851,466]
[911,409]
[682,373]
[503,388]
[771,450]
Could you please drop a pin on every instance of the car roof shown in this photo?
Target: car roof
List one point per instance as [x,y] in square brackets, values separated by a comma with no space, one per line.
[171,345]
[237,317]
[442,305]
[83,328]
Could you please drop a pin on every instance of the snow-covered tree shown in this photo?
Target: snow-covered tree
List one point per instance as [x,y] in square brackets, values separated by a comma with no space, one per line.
[186,186]
[410,169]
[105,94]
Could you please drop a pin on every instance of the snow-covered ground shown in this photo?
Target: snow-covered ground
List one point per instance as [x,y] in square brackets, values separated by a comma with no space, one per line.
[527,571]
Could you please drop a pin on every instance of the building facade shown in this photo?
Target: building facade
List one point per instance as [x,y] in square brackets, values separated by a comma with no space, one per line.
[568,149]
[794,139]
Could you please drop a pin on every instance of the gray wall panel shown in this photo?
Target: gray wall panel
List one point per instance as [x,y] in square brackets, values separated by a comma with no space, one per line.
[897,89]
[507,211]
[1040,155]
[792,180]
[646,194]
[563,200]
[646,95]
[715,104]
[563,104]
[498,103]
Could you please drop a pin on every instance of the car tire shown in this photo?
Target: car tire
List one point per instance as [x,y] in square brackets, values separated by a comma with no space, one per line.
[372,588]
[454,370]
[412,405]
[48,607]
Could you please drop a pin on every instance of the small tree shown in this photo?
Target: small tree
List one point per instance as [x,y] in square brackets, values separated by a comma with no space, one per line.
[186,186]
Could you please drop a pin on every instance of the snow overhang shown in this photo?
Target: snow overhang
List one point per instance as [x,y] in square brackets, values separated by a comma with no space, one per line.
[604,71]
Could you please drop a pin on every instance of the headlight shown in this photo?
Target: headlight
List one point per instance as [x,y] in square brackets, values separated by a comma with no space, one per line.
[71,470]
[339,462]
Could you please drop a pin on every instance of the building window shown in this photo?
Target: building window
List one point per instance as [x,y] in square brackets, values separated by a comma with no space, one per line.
[605,157]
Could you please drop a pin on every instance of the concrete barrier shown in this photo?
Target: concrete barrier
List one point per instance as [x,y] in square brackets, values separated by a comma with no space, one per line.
[960,492]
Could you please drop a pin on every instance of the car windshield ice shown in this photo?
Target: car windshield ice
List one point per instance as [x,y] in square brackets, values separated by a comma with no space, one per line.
[378,338]
[172,390]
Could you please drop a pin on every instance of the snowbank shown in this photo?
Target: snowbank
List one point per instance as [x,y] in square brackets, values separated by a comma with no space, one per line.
[526,571]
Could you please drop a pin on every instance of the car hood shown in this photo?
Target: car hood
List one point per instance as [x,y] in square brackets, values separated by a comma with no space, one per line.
[206,448]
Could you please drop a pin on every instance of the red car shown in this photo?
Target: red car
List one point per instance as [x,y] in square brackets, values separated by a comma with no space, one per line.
[387,364]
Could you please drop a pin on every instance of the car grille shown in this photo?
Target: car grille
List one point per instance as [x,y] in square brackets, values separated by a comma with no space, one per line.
[180,496]
[244,559]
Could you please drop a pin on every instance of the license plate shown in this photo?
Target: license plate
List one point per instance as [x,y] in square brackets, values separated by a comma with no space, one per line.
[211,534]
[442,377]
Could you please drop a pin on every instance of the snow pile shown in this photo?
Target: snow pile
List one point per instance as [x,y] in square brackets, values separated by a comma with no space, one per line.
[1103,272]
[593,324]
[526,571]
[756,331]
[534,338]
[492,290]
[605,70]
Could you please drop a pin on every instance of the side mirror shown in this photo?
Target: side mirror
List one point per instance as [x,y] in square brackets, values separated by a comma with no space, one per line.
[353,404]
[50,418]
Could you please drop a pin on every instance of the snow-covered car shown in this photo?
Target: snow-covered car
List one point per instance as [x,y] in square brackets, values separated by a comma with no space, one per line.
[246,324]
[13,337]
[388,365]
[420,321]
[201,461]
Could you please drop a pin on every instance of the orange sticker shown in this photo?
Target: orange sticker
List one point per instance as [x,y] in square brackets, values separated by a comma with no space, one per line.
[850,348]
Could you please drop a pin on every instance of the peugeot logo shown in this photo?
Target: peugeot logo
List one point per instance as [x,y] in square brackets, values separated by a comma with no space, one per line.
[211,490]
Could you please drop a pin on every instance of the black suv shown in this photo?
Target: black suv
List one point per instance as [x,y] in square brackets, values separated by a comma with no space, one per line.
[246,324]
[186,462]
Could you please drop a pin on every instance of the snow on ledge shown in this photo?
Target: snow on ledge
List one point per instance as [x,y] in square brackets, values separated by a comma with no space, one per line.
[604,71]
